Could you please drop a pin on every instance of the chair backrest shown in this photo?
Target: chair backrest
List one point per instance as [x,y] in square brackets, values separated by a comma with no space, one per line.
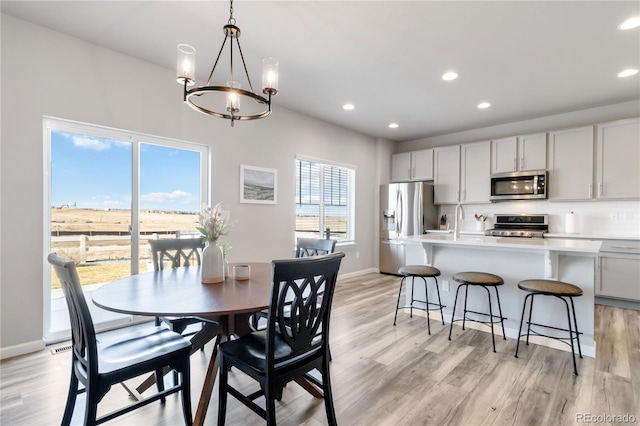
[300,306]
[178,252]
[313,247]
[83,335]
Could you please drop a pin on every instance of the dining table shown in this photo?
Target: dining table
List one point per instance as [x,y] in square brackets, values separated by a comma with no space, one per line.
[226,308]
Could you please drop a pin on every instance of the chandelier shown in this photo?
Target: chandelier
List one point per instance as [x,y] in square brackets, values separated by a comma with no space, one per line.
[208,99]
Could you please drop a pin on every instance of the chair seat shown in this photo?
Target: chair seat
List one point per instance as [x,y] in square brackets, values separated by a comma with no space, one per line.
[137,348]
[478,278]
[556,288]
[251,350]
[419,271]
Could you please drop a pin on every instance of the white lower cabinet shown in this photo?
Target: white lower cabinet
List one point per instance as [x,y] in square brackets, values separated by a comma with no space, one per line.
[619,270]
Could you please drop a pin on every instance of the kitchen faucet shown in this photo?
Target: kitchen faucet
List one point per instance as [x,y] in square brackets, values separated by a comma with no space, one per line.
[456,230]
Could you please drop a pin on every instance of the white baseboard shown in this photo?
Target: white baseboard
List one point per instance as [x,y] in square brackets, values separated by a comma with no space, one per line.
[358,273]
[21,349]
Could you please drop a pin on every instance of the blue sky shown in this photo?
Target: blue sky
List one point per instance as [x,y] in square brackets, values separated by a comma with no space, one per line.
[93,172]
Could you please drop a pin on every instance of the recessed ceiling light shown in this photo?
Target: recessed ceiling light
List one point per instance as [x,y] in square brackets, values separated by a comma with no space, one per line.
[450,76]
[394,125]
[483,105]
[630,23]
[628,72]
[348,107]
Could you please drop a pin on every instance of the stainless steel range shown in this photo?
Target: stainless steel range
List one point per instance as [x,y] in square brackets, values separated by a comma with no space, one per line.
[519,225]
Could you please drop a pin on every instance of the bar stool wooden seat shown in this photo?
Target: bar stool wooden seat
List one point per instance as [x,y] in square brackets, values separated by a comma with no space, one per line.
[424,272]
[562,291]
[486,281]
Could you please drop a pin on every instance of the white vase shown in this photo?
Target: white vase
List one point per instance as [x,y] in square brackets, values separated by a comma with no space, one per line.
[212,264]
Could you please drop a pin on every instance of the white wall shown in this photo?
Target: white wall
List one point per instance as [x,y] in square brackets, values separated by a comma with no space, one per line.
[48,73]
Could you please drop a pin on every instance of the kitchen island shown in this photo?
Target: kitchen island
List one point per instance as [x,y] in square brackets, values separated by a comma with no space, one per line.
[514,259]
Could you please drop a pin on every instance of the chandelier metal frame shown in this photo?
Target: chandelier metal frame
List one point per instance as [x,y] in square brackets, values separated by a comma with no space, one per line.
[192,96]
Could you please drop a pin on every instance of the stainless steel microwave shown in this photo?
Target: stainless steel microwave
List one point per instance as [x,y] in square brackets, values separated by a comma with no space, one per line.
[519,186]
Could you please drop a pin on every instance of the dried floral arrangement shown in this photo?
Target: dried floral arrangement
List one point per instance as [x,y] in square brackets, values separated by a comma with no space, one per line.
[214,222]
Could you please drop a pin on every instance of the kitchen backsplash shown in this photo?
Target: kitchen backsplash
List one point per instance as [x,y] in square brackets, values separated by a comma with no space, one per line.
[599,218]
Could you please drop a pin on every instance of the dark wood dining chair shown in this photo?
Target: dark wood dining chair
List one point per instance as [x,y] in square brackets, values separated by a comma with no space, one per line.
[98,366]
[293,344]
[314,247]
[305,247]
[176,253]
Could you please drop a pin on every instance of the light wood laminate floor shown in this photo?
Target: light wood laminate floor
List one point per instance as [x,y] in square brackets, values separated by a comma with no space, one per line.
[386,375]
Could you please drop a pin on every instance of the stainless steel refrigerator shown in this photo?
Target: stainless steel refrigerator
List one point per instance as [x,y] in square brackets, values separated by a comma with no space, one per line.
[405,209]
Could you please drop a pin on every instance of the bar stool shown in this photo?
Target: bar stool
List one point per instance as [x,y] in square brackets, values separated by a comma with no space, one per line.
[424,272]
[484,280]
[562,291]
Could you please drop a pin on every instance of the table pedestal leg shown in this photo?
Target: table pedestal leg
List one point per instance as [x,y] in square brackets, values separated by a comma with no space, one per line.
[209,331]
[209,381]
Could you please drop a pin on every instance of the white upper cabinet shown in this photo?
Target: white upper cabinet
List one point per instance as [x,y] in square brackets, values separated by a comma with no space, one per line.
[475,173]
[505,153]
[416,166]
[422,162]
[571,164]
[446,171]
[401,167]
[532,152]
[517,154]
[618,160]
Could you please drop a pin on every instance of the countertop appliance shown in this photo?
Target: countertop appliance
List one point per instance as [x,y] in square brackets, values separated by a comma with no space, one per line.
[405,209]
[519,186]
[519,225]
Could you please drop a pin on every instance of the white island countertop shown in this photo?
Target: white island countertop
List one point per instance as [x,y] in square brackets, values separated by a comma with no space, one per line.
[544,244]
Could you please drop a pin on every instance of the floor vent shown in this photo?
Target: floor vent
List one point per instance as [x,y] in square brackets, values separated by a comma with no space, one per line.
[61,349]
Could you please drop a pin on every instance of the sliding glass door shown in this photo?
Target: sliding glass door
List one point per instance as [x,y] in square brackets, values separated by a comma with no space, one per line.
[108,192]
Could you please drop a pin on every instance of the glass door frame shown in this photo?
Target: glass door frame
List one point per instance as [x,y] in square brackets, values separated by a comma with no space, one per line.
[51,124]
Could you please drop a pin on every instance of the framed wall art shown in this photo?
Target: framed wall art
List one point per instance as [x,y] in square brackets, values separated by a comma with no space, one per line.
[258,185]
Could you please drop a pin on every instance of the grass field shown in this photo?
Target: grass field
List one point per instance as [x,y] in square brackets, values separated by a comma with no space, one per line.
[105,266]
[95,267]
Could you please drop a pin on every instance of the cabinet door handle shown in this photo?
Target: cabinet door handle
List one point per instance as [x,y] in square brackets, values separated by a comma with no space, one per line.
[409,173]
[521,163]
[457,195]
[514,164]
[590,190]
[600,189]
[464,195]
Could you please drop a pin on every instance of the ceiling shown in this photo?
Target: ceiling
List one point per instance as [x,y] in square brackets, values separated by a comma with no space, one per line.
[529,59]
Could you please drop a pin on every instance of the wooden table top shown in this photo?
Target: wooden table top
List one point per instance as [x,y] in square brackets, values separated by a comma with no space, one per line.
[179,292]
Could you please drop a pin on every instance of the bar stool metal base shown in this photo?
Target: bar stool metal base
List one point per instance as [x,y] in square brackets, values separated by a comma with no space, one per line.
[405,271]
[574,334]
[494,281]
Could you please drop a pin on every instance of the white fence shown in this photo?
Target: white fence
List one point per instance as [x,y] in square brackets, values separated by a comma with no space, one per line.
[85,245]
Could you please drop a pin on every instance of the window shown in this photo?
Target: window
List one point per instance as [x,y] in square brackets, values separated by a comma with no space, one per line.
[324,199]
[109,191]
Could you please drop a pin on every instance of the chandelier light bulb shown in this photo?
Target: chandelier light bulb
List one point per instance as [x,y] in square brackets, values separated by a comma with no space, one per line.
[270,76]
[186,65]
[233,100]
